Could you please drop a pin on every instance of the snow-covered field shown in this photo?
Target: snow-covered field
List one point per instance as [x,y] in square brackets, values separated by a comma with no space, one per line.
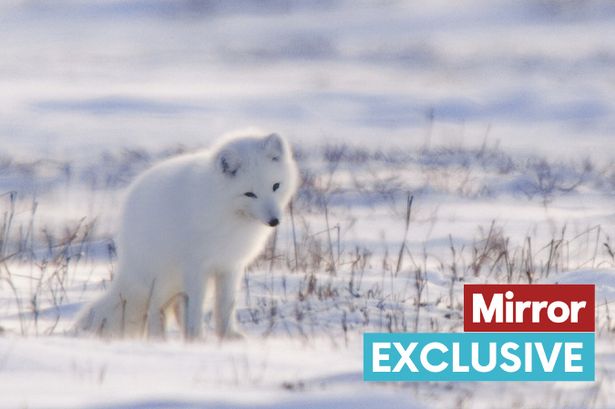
[498,117]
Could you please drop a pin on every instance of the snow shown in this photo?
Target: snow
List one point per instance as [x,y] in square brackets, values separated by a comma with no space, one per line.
[497,116]
[174,374]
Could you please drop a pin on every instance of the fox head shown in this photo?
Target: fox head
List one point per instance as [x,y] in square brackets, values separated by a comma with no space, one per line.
[260,174]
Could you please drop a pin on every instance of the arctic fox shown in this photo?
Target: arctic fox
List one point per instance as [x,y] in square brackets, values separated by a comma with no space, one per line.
[189,221]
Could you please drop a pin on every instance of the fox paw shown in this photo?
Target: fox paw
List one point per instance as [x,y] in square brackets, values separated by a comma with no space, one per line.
[231,334]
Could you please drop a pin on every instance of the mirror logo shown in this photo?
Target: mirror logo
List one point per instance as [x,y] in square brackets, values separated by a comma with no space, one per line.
[537,332]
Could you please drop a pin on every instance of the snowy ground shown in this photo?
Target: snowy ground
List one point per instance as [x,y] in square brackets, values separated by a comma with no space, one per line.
[498,117]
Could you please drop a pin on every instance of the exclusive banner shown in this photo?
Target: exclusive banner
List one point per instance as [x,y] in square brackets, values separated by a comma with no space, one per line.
[479,356]
[558,342]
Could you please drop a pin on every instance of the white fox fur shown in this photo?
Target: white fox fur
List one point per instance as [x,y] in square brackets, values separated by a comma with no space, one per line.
[188,222]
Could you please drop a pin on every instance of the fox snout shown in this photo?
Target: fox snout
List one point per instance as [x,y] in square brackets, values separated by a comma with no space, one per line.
[271,213]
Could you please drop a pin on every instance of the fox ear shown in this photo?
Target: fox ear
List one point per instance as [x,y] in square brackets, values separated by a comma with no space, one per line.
[229,162]
[273,146]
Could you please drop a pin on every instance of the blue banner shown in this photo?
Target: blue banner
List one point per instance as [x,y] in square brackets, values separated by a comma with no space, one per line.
[479,356]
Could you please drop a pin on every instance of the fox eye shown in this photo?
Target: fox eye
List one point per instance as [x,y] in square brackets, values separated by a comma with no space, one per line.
[250,194]
[276,186]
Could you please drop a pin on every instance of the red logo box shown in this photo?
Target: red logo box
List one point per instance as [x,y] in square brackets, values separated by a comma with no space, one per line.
[529,307]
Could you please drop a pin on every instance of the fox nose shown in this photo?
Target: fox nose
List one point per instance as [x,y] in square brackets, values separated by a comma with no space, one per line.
[274,222]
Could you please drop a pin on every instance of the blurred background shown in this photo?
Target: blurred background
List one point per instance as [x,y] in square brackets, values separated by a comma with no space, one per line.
[533,74]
